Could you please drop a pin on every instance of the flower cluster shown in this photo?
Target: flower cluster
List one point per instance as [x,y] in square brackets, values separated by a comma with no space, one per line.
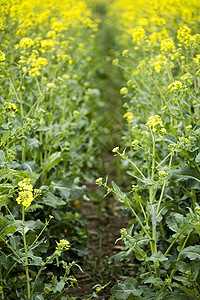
[11,107]
[62,245]
[183,35]
[167,45]
[128,116]
[25,196]
[159,62]
[176,85]
[2,56]
[26,43]
[156,124]
[138,34]
[124,91]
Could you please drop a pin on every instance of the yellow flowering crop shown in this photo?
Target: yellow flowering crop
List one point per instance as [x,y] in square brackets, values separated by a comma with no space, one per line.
[176,85]
[2,56]
[25,195]
[156,124]
[167,45]
[26,43]
[128,116]
[62,245]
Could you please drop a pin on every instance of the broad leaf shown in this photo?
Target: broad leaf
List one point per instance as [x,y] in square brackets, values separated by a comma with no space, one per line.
[125,289]
[192,252]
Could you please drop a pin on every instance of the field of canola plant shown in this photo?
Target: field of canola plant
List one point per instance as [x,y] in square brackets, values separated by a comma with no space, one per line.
[81,83]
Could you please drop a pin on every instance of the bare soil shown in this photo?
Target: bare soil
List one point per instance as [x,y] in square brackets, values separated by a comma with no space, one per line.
[103,230]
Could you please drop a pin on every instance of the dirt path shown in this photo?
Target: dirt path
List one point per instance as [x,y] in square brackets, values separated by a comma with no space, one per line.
[103,233]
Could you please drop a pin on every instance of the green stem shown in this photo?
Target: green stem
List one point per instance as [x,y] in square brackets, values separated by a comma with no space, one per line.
[139,251]
[174,241]
[1,284]
[194,199]
[162,230]
[152,169]
[178,259]
[182,118]
[12,249]
[23,151]
[40,137]
[163,188]
[139,221]
[38,236]
[40,271]
[155,251]
[151,199]
[126,158]
[65,291]
[161,196]
[12,215]
[26,255]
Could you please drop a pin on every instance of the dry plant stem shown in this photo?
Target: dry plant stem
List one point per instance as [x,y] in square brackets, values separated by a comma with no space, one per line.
[26,254]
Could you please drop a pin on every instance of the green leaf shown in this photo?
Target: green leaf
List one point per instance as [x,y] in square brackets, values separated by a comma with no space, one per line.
[192,252]
[154,280]
[159,256]
[124,289]
[68,190]
[34,260]
[118,192]
[59,286]
[51,162]
[51,200]
[183,280]
[152,209]
[197,159]
[184,173]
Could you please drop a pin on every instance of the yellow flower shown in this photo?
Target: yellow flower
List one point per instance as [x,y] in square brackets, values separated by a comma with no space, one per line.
[167,45]
[176,85]
[25,195]
[124,91]
[125,53]
[11,106]
[156,124]
[62,245]
[183,35]
[26,43]
[138,34]
[40,62]
[128,116]
[99,181]
[2,56]
[51,85]
[116,149]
